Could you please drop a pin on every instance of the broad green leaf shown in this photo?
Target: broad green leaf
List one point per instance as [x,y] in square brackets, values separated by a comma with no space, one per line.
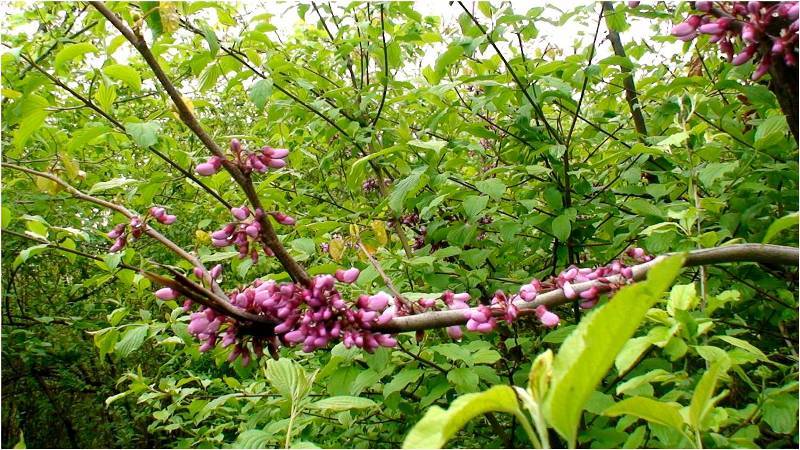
[492,187]
[211,39]
[784,223]
[289,379]
[464,379]
[770,132]
[32,118]
[260,92]
[744,345]
[254,439]
[407,186]
[474,205]
[27,253]
[702,400]
[585,357]
[401,380]
[439,425]
[144,134]
[654,411]
[343,403]
[72,51]
[132,339]
[780,413]
[126,74]
[562,227]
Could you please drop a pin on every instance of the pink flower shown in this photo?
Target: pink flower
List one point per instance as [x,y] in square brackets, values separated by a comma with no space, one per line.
[347,276]
[547,318]
[168,219]
[455,332]
[119,244]
[569,291]
[167,293]
[240,213]
[283,219]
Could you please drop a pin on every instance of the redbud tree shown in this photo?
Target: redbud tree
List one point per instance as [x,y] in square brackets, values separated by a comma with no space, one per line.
[297,225]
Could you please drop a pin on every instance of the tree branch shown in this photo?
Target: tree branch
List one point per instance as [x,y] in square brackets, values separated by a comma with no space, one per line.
[761,253]
[267,235]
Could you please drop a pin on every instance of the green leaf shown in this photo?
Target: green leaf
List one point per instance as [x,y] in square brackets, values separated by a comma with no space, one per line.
[653,411]
[111,184]
[464,379]
[32,118]
[702,402]
[407,186]
[401,380]
[432,144]
[770,132]
[492,187]
[474,205]
[438,425]
[343,403]
[126,74]
[27,253]
[7,215]
[447,58]
[131,340]
[211,39]
[260,92]
[114,398]
[585,356]
[562,227]
[254,439]
[289,379]
[143,134]
[780,413]
[72,51]
[153,17]
[785,222]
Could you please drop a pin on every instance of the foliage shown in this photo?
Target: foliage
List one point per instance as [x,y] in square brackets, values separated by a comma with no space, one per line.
[473,159]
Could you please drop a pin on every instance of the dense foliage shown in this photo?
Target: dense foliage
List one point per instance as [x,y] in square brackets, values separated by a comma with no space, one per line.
[216,220]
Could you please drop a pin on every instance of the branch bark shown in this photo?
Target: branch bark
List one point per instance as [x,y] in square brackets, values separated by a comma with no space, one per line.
[760,253]
[267,236]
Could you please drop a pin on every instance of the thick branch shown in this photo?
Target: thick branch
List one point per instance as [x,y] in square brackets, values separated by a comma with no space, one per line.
[760,253]
[627,80]
[268,236]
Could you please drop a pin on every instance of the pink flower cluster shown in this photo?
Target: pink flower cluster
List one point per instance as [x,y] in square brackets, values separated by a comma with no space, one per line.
[138,225]
[259,161]
[768,30]
[246,231]
[482,318]
[313,316]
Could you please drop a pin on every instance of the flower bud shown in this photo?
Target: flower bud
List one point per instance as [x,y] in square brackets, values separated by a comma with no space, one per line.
[702,6]
[157,212]
[216,271]
[206,169]
[119,244]
[167,293]
[240,213]
[168,219]
[347,276]
[283,219]
[236,146]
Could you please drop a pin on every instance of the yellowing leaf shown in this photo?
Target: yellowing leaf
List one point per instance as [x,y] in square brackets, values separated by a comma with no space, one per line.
[47,185]
[336,249]
[202,237]
[379,227]
[70,165]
